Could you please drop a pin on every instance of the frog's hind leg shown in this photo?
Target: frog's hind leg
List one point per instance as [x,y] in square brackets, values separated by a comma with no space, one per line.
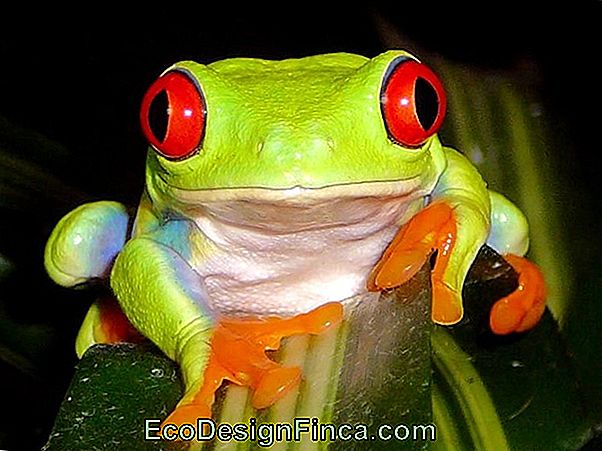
[509,233]
[85,242]
[509,236]
[81,249]
[105,323]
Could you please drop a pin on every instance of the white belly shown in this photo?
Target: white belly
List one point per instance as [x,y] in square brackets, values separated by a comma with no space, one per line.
[290,256]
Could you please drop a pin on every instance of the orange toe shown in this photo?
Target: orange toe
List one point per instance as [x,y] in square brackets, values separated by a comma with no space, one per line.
[522,309]
[275,384]
[188,414]
[238,354]
[432,229]
[412,246]
[504,317]
[319,320]
[447,305]
[400,267]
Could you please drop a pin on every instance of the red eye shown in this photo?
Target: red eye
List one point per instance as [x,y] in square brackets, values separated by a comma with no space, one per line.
[173,115]
[412,102]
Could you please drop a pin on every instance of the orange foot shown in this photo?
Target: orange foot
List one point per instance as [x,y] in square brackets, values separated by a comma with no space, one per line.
[238,354]
[521,309]
[433,228]
[114,327]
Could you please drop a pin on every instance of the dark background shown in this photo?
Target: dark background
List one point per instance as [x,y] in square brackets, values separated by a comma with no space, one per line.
[79,82]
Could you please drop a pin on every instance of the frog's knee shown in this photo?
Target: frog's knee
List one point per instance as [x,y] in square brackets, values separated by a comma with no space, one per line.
[85,242]
[509,232]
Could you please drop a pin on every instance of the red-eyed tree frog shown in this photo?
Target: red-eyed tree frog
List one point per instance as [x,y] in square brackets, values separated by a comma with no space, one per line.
[274,191]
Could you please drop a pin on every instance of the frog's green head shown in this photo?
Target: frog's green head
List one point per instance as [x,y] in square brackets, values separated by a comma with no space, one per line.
[335,120]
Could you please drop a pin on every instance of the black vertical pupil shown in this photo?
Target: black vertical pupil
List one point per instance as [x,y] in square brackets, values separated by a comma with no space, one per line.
[427,103]
[158,115]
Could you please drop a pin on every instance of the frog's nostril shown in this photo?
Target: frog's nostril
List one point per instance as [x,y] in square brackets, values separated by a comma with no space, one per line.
[259,147]
[295,146]
[330,144]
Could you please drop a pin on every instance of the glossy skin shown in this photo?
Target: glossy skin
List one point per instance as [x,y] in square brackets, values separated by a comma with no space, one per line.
[293,197]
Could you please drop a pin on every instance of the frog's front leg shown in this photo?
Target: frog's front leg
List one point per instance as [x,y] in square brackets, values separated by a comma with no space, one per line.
[238,355]
[456,224]
[165,298]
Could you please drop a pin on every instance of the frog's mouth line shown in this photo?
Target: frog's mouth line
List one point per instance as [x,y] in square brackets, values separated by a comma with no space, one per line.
[303,196]
[369,206]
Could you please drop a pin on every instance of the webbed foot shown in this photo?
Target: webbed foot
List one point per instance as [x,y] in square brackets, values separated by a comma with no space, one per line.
[238,355]
[432,229]
[523,308]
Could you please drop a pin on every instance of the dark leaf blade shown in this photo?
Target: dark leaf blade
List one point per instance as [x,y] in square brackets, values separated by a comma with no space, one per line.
[114,391]
[528,377]
[373,370]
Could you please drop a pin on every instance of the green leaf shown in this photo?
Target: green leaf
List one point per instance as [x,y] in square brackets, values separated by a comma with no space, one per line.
[374,369]
[489,392]
[515,392]
[115,389]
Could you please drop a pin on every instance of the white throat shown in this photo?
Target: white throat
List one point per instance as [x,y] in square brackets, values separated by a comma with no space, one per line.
[285,252]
